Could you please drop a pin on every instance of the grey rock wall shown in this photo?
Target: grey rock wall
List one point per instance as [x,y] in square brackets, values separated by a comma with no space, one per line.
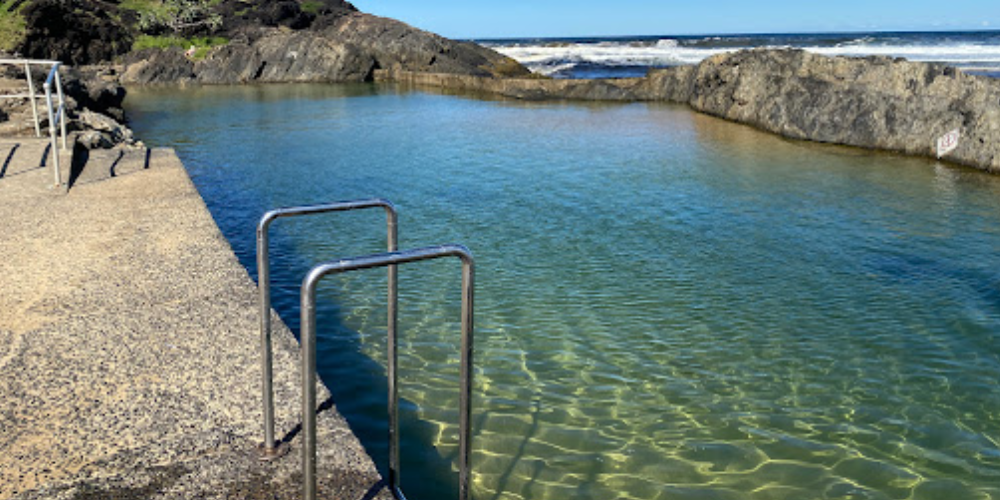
[348,50]
[874,102]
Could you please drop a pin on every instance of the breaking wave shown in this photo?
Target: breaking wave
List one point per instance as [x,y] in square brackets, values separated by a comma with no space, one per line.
[581,58]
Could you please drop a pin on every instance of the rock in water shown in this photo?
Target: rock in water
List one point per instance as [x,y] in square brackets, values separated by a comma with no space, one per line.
[872,102]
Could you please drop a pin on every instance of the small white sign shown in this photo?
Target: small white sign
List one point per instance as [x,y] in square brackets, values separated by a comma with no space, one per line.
[947,143]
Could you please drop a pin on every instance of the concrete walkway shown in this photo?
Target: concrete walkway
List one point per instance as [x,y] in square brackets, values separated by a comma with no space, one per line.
[129,360]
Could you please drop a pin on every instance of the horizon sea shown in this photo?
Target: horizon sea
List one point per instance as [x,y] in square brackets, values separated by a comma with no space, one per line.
[976,52]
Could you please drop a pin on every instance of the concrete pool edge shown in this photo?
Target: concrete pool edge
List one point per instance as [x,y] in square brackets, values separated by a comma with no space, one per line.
[132,367]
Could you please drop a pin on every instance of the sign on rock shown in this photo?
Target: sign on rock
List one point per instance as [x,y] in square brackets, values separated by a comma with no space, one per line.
[947,143]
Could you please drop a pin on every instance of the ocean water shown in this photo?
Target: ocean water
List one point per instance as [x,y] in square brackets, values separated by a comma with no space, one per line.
[976,52]
[669,306]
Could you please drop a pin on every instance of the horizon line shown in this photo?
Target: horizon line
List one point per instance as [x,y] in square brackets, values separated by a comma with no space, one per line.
[737,34]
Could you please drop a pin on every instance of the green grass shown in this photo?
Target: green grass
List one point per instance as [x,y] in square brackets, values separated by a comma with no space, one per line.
[202,44]
[12,26]
[141,6]
[311,6]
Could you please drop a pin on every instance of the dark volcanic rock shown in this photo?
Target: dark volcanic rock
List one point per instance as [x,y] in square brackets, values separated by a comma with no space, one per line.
[349,50]
[398,46]
[74,31]
[269,55]
[280,56]
[158,66]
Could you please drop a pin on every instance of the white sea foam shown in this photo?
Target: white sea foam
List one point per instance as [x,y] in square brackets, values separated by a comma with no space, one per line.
[549,58]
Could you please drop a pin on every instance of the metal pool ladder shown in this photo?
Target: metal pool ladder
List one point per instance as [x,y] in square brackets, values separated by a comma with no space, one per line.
[270,449]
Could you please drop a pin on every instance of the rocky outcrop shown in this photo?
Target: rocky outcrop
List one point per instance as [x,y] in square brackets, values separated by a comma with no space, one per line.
[398,46]
[349,49]
[270,55]
[874,102]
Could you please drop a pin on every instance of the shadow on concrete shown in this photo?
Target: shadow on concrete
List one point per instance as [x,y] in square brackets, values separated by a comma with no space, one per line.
[290,435]
[81,156]
[376,489]
[9,159]
[114,164]
[105,164]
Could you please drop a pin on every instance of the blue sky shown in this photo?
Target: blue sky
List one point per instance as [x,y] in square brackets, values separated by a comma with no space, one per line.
[553,18]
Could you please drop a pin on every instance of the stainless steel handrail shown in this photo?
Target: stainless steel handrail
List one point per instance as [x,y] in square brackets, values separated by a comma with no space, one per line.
[31,86]
[308,340]
[55,116]
[270,449]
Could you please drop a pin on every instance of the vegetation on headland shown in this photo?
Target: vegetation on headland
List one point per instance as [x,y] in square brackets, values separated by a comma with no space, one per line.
[12,25]
[93,31]
[201,44]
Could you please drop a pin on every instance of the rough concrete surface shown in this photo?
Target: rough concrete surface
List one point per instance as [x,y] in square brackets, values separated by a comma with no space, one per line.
[129,352]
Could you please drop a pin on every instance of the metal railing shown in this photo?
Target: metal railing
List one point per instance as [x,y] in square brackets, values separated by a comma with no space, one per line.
[308,340]
[57,115]
[270,449]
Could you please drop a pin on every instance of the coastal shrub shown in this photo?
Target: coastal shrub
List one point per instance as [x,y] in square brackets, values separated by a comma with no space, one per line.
[178,16]
[201,44]
[311,6]
[12,25]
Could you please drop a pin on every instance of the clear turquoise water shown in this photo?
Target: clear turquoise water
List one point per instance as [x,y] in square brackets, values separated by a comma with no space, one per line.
[668,306]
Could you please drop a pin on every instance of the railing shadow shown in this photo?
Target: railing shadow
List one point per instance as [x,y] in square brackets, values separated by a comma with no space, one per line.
[81,156]
[9,159]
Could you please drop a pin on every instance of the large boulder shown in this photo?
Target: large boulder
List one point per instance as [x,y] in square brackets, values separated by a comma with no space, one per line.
[873,102]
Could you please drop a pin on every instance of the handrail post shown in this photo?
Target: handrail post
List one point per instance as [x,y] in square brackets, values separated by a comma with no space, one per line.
[62,104]
[53,150]
[31,97]
[392,343]
[308,340]
[270,449]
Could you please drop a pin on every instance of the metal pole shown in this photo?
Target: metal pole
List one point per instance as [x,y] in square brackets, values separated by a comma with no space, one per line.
[62,104]
[270,449]
[52,133]
[308,303]
[392,342]
[465,396]
[308,340]
[31,96]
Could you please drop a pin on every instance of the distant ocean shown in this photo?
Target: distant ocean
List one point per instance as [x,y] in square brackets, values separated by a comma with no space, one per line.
[976,52]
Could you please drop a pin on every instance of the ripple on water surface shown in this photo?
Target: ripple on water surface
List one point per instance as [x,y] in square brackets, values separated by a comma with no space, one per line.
[668,306]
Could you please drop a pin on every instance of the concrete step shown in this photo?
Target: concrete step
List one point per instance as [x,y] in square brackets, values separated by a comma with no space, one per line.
[26,164]
[21,158]
[102,164]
